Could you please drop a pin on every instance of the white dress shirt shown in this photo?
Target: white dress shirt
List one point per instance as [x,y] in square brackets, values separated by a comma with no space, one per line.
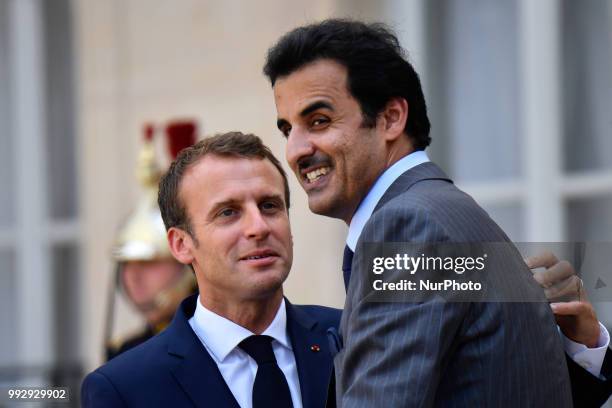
[590,359]
[221,337]
[382,184]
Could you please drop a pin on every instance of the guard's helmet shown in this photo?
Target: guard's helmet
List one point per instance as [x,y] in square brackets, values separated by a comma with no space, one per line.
[142,237]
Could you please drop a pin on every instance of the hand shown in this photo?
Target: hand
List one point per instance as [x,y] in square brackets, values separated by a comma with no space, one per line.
[578,321]
[563,288]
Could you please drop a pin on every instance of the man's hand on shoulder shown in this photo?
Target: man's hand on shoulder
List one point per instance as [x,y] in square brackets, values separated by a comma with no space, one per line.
[563,288]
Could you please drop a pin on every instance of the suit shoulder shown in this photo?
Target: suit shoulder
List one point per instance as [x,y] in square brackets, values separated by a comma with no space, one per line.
[433,210]
[429,196]
[98,391]
[120,346]
[326,316]
[405,218]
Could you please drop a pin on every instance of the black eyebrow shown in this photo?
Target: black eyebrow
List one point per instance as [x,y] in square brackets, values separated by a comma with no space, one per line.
[280,123]
[315,106]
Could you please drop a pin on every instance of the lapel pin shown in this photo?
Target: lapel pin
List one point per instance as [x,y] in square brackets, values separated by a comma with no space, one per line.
[315,348]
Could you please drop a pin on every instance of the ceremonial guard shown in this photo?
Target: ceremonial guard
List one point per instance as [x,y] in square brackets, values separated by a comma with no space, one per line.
[152,281]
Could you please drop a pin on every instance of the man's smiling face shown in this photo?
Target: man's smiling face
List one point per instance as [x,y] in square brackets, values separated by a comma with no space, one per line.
[334,156]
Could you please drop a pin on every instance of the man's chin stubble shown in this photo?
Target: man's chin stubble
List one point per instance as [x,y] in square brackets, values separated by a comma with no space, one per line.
[332,210]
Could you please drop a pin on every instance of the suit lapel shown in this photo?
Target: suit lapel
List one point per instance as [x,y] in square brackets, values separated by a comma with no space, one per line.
[314,367]
[196,371]
[424,171]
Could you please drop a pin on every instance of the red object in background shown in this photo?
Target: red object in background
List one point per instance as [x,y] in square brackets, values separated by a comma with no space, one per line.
[180,134]
[149,130]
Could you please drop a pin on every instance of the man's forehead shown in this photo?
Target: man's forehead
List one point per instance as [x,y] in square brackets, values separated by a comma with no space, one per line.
[320,79]
[215,173]
[237,193]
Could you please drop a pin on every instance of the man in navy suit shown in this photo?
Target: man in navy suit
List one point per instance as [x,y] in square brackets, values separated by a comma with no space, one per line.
[224,202]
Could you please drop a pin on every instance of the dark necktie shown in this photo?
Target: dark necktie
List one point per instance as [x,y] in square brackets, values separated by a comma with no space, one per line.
[270,389]
[347,261]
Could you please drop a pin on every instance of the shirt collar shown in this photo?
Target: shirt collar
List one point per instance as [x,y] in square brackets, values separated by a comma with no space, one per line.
[382,184]
[221,335]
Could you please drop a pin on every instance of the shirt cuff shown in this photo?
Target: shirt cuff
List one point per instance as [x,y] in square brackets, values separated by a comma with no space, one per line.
[591,359]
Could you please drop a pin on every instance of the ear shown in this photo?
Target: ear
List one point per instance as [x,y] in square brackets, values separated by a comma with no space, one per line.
[392,120]
[181,245]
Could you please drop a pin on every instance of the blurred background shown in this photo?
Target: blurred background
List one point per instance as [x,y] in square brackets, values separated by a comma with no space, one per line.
[519,95]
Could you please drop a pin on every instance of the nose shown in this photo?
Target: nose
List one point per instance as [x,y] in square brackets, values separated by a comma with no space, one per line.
[256,224]
[298,146]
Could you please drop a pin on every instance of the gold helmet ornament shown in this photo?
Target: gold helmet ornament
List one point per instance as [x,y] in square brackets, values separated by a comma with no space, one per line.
[142,238]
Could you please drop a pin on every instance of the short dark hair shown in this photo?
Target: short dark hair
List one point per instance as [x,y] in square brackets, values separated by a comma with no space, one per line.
[377,69]
[233,144]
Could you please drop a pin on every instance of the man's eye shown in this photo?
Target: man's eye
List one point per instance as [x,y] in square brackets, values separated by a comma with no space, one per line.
[269,206]
[318,122]
[228,212]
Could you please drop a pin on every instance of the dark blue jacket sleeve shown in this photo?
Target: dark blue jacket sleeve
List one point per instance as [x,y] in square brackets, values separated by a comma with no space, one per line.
[588,390]
[98,391]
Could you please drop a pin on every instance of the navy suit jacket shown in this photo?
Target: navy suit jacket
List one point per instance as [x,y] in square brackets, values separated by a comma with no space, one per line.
[173,369]
[588,390]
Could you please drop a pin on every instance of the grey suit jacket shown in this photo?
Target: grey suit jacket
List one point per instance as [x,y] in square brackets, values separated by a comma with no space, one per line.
[444,353]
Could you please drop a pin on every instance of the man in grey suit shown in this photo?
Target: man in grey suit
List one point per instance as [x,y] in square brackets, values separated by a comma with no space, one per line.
[354,115]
